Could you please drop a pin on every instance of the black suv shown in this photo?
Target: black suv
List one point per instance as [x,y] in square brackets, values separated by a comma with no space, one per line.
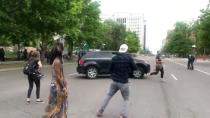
[94,63]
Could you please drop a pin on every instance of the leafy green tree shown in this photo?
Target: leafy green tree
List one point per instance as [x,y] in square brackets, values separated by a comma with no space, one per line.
[133,42]
[117,34]
[4,41]
[178,40]
[73,25]
[14,19]
[48,18]
[83,24]
[90,23]
[106,35]
[203,29]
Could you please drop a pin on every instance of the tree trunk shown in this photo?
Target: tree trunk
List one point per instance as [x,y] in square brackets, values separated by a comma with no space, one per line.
[43,47]
[18,51]
[70,46]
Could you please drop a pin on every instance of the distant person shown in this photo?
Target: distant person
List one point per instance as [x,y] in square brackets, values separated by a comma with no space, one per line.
[33,78]
[158,56]
[190,63]
[122,65]
[47,56]
[158,67]
[2,55]
[58,99]
[25,54]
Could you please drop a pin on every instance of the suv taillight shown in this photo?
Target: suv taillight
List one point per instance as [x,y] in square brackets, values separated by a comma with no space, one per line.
[81,62]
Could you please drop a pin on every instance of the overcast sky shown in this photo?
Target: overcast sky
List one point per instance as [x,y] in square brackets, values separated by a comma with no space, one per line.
[159,14]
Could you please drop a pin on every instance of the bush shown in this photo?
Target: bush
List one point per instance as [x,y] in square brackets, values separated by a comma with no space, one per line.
[10,55]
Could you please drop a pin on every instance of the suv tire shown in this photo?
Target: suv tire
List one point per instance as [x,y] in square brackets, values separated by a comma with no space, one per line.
[139,73]
[92,72]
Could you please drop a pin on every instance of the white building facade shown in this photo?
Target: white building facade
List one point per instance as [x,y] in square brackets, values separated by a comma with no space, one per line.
[133,22]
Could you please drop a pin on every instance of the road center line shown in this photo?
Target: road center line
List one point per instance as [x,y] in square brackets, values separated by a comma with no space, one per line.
[72,74]
[195,69]
[203,71]
[174,77]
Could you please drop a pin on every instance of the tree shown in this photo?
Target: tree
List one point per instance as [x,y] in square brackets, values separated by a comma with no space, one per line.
[14,19]
[117,34]
[178,40]
[90,23]
[105,35]
[133,42]
[203,29]
[4,41]
[83,24]
[73,26]
[48,18]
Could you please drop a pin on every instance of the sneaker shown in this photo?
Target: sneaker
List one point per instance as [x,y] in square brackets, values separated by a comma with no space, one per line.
[28,100]
[99,114]
[163,79]
[39,101]
[123,117]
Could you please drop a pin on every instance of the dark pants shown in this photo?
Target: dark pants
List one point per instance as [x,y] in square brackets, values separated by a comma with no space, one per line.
[190,65]
[157,71]
[31,82]
[2,58]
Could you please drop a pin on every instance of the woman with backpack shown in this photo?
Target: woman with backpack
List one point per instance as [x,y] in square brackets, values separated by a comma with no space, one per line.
[33,78]
[58,99]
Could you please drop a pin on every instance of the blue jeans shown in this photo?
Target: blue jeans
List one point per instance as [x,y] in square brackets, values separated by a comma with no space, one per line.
[124,89]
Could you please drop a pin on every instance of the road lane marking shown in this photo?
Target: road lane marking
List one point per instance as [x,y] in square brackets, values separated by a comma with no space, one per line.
[174,76]
[72,74]
[204,72]
[177,63]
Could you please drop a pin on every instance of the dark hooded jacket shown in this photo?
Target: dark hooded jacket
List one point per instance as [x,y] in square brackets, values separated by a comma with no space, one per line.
[122,65]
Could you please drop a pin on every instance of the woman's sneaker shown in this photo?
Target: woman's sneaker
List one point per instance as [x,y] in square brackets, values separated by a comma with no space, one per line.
[39,101]
[163,79]
[123,116]
[99,113]
[28,100]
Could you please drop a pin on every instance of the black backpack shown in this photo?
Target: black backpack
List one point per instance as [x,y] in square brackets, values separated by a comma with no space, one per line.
[30,67]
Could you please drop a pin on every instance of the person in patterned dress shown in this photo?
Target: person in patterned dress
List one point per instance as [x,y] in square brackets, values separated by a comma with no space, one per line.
[58,99]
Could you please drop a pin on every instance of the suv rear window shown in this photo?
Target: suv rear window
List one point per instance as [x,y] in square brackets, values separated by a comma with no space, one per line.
[98,55]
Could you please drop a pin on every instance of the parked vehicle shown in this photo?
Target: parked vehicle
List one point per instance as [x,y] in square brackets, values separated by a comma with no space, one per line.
[95,63]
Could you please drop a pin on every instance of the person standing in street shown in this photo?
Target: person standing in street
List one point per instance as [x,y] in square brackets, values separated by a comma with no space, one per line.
[2,55]
[122,64]
[190,63]
[58,99]
[158,67]
[34,58]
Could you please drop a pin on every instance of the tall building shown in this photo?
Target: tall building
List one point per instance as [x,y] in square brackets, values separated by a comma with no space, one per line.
[133,22]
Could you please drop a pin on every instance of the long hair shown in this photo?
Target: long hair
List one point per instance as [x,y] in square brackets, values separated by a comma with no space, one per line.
[33,54]
[56,52]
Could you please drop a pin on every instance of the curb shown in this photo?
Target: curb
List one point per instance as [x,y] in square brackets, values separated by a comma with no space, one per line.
[19,68]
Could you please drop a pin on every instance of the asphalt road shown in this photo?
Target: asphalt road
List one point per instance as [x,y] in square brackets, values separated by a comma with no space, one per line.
[185,94]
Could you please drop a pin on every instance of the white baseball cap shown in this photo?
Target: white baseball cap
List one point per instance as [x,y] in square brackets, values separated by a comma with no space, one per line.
[123,48]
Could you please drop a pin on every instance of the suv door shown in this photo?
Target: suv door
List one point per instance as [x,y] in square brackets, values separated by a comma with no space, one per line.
[104,61]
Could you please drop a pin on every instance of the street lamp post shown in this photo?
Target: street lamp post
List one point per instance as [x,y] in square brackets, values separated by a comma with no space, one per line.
[193,46]
[103,45]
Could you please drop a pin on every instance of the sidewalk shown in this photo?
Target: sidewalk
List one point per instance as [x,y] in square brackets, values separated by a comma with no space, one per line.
[203,61]
[16,65]
[12,62]
[196,60]
[11,65]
